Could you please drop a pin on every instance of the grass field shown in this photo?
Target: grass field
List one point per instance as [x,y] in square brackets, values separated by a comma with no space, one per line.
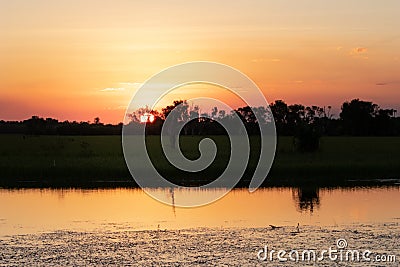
[98,161]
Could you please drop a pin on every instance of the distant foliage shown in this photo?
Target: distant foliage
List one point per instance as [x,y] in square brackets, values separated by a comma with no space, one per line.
[305,123]
[366,118]
[49,126]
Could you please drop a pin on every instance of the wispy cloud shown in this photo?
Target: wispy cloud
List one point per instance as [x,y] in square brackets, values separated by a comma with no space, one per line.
[359,51]
[393,82]
[131,84]
[257,60]
[117,108]
[113,89]
[122,86]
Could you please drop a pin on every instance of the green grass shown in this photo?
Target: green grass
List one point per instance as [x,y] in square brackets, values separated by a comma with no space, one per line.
[97,160]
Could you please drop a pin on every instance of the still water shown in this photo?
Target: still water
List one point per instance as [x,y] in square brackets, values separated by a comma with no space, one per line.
[37,210]
[37,224]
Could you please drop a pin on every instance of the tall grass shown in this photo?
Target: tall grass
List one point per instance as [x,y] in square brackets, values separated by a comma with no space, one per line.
[93,160]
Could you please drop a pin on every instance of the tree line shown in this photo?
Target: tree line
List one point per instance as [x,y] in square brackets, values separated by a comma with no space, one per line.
[357,118]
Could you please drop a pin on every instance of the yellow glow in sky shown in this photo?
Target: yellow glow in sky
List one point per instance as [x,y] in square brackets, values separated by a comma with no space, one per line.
[78,60]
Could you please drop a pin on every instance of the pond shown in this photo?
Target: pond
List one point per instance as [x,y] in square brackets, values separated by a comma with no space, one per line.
[121,226]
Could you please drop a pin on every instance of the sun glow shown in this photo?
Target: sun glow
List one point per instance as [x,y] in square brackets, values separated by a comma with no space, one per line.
[147,117]
[91,56]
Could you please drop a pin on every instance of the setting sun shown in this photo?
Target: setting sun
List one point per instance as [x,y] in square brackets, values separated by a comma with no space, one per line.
[147,117]
[199,133]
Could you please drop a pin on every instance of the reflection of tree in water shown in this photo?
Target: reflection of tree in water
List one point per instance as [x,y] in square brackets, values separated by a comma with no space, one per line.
[306,198]
[171,191]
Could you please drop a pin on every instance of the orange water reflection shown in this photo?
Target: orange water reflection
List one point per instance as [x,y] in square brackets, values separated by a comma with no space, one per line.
[37,210]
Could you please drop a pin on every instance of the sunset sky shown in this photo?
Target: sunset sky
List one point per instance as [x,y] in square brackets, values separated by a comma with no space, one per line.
[79,59]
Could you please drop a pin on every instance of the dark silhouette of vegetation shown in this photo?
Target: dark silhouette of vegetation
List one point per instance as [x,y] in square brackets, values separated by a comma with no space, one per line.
[366,118]
[49,126]
[305,124]
[74,153]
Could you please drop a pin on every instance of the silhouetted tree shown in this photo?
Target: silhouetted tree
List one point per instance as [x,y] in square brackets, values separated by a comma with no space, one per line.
[357,117]
[280,112]
[384,122]
[305,123]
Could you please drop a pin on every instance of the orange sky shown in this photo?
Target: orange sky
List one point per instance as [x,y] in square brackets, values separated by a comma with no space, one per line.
[78,60]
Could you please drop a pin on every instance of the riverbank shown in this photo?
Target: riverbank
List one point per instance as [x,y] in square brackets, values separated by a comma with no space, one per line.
[201,246]
[97,161]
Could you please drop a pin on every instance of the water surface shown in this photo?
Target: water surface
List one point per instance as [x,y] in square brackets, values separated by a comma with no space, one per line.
[38,210]
[126,226]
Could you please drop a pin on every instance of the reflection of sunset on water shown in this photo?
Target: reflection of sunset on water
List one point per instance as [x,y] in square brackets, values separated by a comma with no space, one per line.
[45,210]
